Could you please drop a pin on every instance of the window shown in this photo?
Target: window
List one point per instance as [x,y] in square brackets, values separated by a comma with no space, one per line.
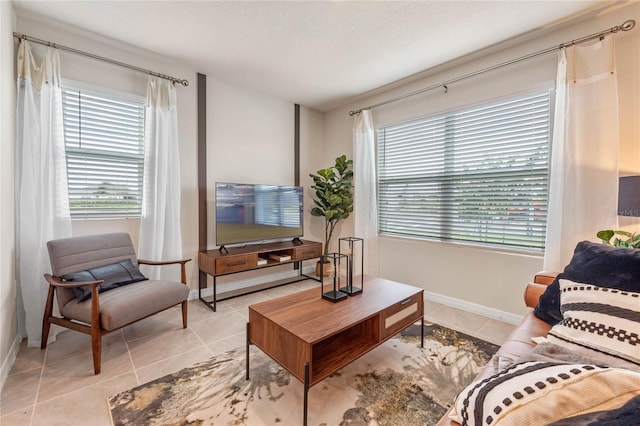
[477,175]
[104,142]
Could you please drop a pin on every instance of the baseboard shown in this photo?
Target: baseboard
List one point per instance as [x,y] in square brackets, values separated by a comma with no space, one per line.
[474,308]
[7,363]
[253,282]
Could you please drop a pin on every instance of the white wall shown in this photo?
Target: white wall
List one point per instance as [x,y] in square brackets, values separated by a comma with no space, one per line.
[8,315]
[471,276]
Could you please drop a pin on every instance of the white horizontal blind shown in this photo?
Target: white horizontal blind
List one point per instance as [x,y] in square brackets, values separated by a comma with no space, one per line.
[477,175]
[104,140]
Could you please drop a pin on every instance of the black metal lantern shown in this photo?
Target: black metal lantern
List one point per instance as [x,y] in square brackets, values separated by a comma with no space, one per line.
[336,263]
[353,248]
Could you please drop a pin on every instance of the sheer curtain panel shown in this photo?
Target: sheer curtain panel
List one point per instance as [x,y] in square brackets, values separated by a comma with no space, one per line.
[584,157]
[364,181]
[42,202]
[160,236]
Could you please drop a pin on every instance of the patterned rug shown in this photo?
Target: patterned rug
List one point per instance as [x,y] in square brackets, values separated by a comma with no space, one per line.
[395,384]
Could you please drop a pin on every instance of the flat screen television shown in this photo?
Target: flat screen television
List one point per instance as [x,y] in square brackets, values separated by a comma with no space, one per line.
[249,213]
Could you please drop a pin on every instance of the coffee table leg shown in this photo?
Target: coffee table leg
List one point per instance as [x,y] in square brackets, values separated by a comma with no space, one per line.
[248,343]
[421,336]
[306,394]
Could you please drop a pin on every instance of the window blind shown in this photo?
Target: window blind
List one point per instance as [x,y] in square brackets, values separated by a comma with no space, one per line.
[104,142]
[476,175]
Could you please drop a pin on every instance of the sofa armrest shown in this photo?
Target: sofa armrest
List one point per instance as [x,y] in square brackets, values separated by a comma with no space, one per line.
[545,277]
[532,294]
[535,289]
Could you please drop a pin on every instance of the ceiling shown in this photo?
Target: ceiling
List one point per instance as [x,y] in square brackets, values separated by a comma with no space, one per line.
[319,54]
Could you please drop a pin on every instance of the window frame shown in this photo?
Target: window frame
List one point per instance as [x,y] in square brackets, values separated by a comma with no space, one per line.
[115,157]
[539,89]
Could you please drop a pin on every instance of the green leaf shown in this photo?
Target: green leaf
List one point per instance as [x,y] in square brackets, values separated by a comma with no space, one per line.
[605,235]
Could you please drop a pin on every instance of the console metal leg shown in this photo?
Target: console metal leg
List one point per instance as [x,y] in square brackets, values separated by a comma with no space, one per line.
[215,294]
[306,394]
[248,343]
[422,332]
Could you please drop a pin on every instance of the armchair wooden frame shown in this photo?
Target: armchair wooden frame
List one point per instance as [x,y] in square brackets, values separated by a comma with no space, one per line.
[95,329]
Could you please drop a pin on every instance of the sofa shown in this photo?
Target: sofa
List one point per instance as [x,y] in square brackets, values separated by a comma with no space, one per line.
[590,381]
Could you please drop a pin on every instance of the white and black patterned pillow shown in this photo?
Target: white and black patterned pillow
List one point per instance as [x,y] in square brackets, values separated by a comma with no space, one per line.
[535,392]
[598,319]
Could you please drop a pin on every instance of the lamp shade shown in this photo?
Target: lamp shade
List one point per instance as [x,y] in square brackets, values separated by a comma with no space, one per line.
[629,196]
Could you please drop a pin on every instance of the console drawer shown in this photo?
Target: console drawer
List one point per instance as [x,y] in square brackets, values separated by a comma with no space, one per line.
[399,316]
[236,263]
[309,252]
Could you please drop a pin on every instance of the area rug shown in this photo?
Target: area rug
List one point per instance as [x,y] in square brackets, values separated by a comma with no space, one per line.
[398,383]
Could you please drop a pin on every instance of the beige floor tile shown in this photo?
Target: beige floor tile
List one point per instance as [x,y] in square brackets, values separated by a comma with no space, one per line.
[495,331]
[21,417]
[27,358]
[457,319]
[152,349]
[83,407]
[241,303]
[68,343]
[227,344]
[220,326]
[430,306]
[68,375]
[163,321]
[20,391]
[197,311]
[171,365]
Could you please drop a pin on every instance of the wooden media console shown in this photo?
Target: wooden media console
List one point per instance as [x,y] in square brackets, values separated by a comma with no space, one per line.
[254,256]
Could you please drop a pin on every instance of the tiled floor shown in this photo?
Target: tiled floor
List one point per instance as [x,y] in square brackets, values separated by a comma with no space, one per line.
[57,386]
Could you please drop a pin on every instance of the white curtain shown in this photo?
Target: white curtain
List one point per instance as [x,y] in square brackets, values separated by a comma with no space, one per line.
[160,236]
[583,187]
[42,202]
[364,182]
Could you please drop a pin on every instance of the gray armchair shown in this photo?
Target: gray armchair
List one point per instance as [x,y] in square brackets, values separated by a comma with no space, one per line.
[86,305]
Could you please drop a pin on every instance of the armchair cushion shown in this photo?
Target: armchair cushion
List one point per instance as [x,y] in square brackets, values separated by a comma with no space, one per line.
[592,263]
[114,275]
[129,303]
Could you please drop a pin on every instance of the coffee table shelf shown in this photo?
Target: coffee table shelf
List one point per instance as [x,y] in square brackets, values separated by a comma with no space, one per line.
[335,352]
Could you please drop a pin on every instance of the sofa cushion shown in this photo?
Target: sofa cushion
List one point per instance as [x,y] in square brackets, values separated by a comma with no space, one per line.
[592,263]
[130,303]
[114,275]
[536,392]
[598,320]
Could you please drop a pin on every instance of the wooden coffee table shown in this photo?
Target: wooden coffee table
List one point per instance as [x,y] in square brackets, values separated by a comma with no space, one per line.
[313,338]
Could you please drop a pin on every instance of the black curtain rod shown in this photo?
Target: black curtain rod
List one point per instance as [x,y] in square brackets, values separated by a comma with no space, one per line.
[626,26]
[100,58]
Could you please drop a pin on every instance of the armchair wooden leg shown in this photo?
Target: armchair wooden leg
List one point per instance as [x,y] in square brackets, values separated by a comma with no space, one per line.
[184,314]
[48,311]
[96,347]
[96,333]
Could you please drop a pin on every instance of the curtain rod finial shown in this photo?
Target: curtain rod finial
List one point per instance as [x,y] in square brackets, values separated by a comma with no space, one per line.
[628,25]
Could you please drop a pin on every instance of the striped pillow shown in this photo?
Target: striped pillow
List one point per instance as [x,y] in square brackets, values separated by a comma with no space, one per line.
[535,392]
[598,320]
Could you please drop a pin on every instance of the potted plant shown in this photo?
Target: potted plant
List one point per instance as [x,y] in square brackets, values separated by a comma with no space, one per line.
[632,240]
[333,196]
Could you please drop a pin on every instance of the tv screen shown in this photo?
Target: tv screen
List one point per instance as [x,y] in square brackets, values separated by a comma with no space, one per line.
[246,212]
